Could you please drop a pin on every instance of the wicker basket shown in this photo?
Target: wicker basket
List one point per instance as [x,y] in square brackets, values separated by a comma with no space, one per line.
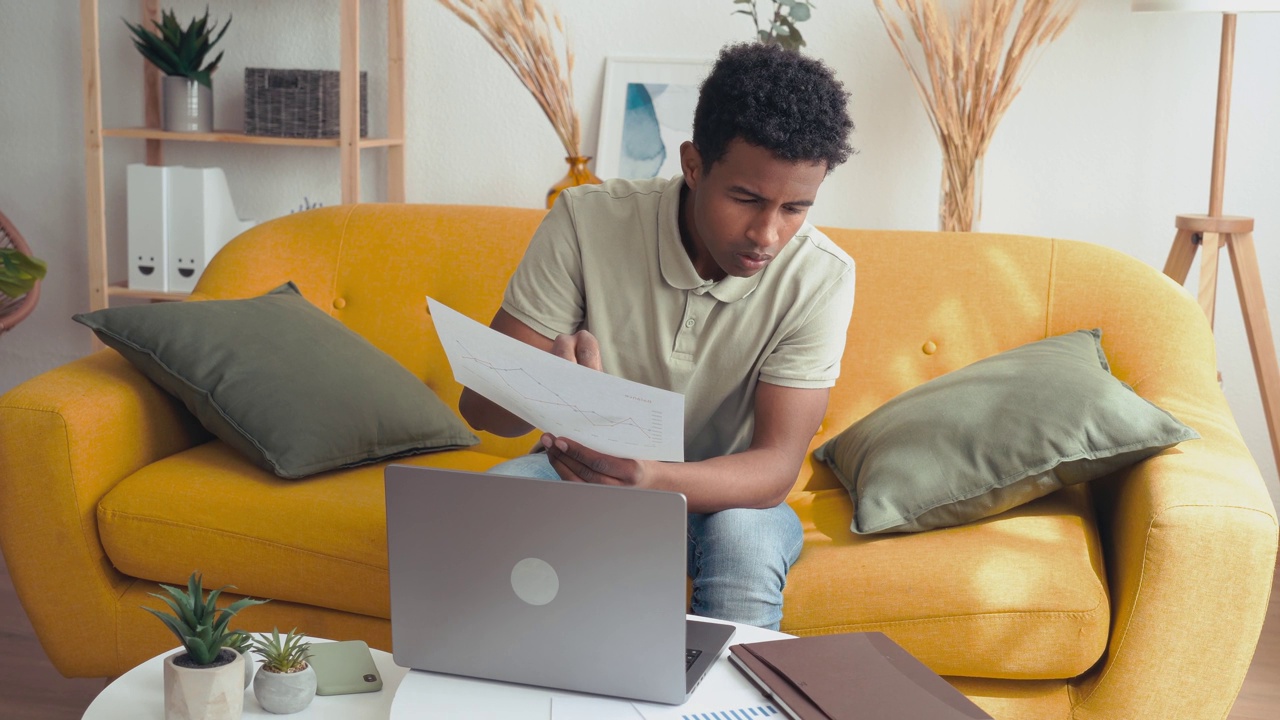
[297,103]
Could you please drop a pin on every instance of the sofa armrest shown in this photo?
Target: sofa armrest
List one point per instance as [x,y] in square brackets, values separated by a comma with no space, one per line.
[66,438]
[1190,541]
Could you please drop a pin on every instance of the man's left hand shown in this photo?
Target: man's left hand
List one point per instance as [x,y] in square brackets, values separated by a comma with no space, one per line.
[578,463]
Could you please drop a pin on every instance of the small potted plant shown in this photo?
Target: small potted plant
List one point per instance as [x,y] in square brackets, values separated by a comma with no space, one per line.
[285,683]
[204,680]
[179,53]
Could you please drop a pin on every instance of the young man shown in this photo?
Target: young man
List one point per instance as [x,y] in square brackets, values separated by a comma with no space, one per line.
[710,284]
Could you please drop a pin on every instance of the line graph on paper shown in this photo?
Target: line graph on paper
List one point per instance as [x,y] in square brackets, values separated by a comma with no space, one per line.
[603,412]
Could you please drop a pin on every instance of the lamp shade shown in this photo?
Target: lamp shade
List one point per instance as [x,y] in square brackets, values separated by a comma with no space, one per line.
[1218,6]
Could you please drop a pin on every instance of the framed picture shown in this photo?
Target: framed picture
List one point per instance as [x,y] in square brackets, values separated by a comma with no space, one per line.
[646,112]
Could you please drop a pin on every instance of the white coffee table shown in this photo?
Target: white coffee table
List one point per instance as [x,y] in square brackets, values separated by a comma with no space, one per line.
[139,695]
[425,695]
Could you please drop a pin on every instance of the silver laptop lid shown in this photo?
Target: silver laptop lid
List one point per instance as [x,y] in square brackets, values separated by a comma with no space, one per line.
[563,585]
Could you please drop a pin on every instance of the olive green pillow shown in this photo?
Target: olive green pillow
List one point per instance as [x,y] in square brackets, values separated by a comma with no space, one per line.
[994,435]
[280,381]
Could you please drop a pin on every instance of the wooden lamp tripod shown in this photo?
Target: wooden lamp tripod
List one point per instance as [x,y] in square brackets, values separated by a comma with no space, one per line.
[1215,230]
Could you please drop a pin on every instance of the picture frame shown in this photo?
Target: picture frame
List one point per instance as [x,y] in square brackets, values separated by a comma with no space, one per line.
[644,141]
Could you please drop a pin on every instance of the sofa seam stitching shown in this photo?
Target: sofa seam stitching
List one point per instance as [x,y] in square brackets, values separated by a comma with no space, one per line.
[1053,271]
[118,514]
[337,261]
[1017,614]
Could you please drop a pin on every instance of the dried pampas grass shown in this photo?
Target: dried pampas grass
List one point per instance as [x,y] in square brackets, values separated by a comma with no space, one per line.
[521,34]
[967,71]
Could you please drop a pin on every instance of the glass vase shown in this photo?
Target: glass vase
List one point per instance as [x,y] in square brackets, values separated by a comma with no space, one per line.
[960,201]
[579,174]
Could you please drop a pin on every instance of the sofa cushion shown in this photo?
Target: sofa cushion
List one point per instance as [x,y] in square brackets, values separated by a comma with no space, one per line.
[321,542]
[995,434]
[1017,596]
[282,382]
[1021,595]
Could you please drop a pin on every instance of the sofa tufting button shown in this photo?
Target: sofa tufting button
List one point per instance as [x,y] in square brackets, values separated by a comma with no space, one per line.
[339,303]
[930,347]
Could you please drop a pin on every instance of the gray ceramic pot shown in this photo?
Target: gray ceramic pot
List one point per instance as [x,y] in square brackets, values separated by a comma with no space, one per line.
[187,105]
[284,693]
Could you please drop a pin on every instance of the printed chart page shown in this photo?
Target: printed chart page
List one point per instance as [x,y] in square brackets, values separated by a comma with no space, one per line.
[607,414]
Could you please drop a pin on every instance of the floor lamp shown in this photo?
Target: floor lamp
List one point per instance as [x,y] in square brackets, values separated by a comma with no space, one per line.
[1213,231]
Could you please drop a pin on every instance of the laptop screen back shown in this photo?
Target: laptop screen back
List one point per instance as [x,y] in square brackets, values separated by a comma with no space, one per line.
[562,585]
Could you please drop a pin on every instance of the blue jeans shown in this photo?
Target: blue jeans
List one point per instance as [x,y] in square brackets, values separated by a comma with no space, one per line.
[738,558]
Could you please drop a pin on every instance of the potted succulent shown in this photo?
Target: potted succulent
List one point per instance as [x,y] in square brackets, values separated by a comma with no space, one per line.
[204,680]
[286,682]
[179,53]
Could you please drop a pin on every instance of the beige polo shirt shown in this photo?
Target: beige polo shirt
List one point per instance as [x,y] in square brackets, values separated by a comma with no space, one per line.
[608,259]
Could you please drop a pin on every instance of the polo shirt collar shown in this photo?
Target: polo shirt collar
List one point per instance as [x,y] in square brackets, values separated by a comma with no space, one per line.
[677,268]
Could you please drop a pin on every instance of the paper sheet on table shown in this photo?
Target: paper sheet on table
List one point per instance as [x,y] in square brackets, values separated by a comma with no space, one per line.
[583,707]
[709,711]
[605,413]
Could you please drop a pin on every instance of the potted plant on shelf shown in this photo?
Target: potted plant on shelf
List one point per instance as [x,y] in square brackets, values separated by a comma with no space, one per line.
[179,53]
[204,680]
[285,683]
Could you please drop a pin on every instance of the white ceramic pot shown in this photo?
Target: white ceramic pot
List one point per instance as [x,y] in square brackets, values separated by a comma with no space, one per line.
[284,693]
[209,693]
[249,667]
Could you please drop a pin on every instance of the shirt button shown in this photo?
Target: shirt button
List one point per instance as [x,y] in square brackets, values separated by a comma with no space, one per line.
[688,323]
[339,303]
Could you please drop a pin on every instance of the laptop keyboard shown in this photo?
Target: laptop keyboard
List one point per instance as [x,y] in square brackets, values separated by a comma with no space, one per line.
[690,655]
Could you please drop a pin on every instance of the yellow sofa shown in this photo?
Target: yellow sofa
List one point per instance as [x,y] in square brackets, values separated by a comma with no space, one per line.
[1140,595]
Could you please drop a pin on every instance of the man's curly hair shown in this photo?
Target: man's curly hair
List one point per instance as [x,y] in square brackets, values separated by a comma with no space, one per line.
[776,99]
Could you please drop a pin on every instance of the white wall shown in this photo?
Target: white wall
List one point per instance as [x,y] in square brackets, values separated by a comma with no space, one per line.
[1109,140]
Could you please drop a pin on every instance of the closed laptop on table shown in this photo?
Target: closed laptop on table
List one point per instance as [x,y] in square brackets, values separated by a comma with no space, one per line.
[562,585]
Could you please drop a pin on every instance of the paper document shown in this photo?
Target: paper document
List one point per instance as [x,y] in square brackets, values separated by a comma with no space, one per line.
[713,711]
[605,413]
[583,707]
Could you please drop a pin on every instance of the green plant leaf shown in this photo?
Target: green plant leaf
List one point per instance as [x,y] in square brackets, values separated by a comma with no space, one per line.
[13,288]
[180,603]
[200,651]
[211,604]
[243,603]
[799,13]
[180,51]
[795,40]
[35,267]
[168,621]
[225,25]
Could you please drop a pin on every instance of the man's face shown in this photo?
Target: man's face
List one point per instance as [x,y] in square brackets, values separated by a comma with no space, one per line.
[744,209]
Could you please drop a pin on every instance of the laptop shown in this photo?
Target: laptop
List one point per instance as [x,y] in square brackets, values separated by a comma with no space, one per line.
[555,584]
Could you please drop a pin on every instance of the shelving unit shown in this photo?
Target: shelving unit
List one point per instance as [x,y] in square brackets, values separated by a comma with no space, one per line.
[349,143]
